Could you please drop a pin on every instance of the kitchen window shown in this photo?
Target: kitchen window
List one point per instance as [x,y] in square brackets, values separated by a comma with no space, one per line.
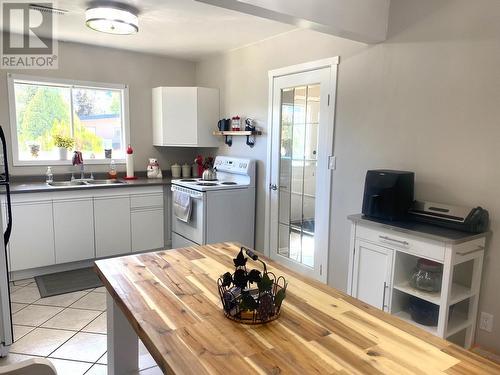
[89,117]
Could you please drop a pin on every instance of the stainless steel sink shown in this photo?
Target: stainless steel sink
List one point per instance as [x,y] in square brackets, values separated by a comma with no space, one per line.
[76,183]
[105,182]
[66,183]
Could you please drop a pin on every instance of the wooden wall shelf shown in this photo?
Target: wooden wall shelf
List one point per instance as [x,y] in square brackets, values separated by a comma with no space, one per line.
[228,136]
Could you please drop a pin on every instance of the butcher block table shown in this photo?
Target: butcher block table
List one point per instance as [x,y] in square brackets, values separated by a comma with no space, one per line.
[169,299]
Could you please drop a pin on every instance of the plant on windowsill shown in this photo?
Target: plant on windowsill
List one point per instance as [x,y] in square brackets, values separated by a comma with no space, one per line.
[63,144]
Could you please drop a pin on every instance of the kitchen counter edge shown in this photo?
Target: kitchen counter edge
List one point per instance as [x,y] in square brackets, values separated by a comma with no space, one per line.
[431,232]
[37,187]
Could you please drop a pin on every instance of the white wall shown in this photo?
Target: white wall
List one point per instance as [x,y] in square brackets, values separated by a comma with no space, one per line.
[140,71]
[426,100]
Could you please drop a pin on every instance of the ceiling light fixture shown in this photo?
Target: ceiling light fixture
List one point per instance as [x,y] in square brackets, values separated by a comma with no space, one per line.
[112,19]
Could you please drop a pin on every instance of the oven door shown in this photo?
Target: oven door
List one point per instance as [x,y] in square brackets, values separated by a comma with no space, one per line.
[194,230]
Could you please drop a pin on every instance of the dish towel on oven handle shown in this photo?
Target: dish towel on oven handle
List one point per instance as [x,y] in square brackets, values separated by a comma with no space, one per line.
[183,206]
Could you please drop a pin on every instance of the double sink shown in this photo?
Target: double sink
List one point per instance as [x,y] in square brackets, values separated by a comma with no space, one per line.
[88,182]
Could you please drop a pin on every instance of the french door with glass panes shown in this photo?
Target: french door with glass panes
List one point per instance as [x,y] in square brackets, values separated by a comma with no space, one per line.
[302,146]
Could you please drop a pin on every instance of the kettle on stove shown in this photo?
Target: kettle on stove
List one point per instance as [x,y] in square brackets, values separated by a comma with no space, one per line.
[209,174]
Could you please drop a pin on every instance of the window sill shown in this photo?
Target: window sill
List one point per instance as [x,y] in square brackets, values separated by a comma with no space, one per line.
[35,163]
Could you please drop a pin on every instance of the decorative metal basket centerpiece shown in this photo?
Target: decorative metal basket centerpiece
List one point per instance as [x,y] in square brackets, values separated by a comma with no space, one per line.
[251,297]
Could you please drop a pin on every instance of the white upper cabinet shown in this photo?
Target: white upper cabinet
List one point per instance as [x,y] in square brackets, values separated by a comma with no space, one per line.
[185,116]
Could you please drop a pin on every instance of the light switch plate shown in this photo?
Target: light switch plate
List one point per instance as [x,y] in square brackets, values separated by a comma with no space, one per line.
[486,322]
[332,163]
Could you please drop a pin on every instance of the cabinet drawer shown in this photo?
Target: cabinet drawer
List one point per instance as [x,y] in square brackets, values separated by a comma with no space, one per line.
[403,242]
[146,200]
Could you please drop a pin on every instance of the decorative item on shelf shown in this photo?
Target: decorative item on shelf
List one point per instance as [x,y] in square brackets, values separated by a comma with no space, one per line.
[153,169]
[199,165]
[108,153]
[427,276]
[64,144]
[423,312]
[250,126]
[236,123]
[176,170]
[112,172]
[246,304]
[130,164]
[224,125]
[34,149]
[186,170]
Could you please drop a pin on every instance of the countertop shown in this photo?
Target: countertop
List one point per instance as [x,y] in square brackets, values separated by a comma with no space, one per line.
[171,301]
[432,232]
[41,186]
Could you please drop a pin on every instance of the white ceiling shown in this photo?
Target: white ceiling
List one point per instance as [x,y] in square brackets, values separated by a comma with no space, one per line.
[182,28]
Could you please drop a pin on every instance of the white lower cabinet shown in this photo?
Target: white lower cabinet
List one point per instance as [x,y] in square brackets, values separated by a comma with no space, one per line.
[32,240]
[372,274]
[112,225]
[147,229]
[73,231]
[60,227]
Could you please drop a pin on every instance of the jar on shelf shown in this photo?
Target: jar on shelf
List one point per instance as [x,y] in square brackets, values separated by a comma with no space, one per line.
[427,276]
[236,123]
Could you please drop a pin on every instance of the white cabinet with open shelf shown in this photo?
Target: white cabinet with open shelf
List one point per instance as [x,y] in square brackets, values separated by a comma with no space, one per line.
[454,307]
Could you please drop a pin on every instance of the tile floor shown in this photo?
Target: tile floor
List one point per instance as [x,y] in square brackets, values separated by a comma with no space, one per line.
[69,330]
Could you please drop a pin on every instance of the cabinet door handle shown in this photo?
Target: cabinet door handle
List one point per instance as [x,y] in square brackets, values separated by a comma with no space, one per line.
[479,248]
[405,243]
[383,297]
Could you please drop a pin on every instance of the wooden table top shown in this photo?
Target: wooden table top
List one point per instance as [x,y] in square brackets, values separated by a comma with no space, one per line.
[171,300]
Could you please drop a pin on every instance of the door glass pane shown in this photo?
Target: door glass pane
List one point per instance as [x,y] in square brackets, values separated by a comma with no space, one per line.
[298,162]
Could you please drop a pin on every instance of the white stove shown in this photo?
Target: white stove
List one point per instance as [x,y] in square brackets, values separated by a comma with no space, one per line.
[222,210]
[205,185]
[232,173]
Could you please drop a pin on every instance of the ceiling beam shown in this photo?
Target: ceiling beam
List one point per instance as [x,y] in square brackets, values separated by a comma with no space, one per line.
[360,20]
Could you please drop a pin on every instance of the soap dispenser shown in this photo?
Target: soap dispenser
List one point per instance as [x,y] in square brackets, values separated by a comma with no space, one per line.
[49,176]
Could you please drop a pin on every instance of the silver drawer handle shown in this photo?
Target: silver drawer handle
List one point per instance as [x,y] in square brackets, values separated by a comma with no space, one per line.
[394,240]
[479,248]
[383,297]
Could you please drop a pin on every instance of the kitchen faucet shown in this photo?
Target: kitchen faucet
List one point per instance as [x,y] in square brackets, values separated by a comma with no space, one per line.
[78,160]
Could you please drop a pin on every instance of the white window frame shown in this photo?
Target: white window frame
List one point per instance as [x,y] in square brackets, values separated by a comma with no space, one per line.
[11,78]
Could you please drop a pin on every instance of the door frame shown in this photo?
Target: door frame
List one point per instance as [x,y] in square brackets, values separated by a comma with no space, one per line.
[331,63]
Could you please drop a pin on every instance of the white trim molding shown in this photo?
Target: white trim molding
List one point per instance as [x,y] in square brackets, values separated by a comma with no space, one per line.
[332,63]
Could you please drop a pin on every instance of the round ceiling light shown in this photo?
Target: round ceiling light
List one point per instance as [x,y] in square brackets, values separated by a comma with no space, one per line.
[112,20]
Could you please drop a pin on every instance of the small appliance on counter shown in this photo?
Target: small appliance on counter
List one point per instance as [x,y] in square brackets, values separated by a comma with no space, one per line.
[465,219]
[388,194]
